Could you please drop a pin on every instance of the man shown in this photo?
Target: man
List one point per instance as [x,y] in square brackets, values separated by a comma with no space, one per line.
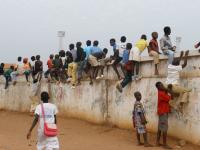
[38,68]
[57,66]
[166,45]
[81,55]
[50,66]
[128,68]
[32,62]
[135,55]
[173,82]
[72,67]
[118,50]
[153,50]
[163,111]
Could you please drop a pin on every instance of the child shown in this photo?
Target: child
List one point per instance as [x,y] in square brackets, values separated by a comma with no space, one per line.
[27,69]
[50,66]
[32,62]
[153,50]
[38,68]
[7,75]
[139,120]
[128,68]
[45,142]
[163,111]
[135,55]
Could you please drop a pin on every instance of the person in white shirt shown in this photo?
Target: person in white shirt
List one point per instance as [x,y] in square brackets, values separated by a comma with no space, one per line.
[50,111]
[173,82]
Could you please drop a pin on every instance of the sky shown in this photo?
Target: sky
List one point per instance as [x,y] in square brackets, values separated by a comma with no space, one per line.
[29,27]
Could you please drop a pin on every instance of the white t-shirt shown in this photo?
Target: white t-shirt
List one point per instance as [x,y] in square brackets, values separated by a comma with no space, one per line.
[50,110]
[20,68]
[173,75]
[121,47]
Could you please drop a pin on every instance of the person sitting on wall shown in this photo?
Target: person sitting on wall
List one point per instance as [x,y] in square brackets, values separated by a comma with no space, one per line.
[163,109]
[57,66]
[27,69]
[166,45]
[128,67]
[7,75]
[153,50]
[38,68]
[173,82]
[62,73]
[50,66]
[135,55]
[2,69]
[139,120]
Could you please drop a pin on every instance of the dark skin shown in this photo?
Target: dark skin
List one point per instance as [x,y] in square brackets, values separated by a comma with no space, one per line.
[159,133]
[35,121]
[138,97]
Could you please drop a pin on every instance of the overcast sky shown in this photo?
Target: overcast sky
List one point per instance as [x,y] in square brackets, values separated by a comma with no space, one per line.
[29,27]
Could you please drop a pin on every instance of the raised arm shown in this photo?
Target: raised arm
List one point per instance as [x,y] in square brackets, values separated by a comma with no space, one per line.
[185,59]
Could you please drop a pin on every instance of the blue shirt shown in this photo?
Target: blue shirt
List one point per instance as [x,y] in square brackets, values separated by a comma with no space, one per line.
[95,49]
[125,56]
[114,48]
[87,50]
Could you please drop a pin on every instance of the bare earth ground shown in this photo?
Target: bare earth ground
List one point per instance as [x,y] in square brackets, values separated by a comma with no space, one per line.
[74,135]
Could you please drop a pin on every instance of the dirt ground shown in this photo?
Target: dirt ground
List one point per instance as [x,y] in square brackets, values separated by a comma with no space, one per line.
[73,135]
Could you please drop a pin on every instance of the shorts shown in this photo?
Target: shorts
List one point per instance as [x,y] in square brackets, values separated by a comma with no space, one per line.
[141,129]
[163,122]
[135,54]
[93,61]
[117,60]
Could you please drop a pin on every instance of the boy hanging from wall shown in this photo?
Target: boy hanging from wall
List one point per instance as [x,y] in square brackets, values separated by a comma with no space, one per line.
[38,68]
[139,120]
[173,82]
[7,75]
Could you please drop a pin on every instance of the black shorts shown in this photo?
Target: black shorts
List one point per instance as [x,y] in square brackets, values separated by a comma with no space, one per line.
[117,60]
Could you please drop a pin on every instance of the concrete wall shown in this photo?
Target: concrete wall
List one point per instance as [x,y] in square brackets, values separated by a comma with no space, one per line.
[102,103]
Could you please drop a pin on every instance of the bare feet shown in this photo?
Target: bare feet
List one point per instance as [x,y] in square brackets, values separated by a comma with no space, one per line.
[148,145]
[140,144]
[167,147]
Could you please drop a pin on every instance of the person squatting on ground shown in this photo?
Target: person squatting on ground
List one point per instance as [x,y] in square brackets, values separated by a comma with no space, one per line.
[135,56]
[173,82]
[118,50]
[163,110]
[50,111]
[139,120]
[153,51]
[166,45]
[128,67]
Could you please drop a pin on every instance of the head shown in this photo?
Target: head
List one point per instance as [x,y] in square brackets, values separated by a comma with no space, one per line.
[25,60]
[154,35]
[129,46]
[67,53]
[19,59]
[167,30]
[105,50]
[123,39]
[2,65]
[95,43]
[78,44]
[51,56]
[38,57]
[33,58]
[144,37]
[112,42]
[71,47]
[176,62]
[160,86]
[62,53]
[35,80]
[44,97]
[88,43]
[138,96]
[57,56]
[12,67]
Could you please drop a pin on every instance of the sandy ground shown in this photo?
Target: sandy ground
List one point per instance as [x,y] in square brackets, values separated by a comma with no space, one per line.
[73,135]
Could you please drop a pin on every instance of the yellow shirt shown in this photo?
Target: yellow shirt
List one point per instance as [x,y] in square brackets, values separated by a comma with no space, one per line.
[141,44]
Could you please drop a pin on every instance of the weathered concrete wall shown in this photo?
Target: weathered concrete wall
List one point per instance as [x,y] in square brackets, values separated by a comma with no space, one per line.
[102,103]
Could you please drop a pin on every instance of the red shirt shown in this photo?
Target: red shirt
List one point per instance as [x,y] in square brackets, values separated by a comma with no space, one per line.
[163,102]
[153,45]
[49,63]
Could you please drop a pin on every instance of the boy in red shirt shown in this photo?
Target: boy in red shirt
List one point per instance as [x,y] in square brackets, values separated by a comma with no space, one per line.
[163,110]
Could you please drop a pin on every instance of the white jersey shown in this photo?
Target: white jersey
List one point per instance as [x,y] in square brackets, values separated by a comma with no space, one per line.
[173,74]
[121,47]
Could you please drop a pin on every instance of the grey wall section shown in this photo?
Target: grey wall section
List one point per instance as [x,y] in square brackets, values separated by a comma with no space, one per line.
[102,103]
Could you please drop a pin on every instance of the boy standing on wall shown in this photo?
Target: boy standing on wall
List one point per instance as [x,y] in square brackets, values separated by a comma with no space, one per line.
[139,120]
[163,111]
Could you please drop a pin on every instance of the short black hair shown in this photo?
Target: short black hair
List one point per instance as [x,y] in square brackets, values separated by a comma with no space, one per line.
[71,46]
[95,43]
[158,84]
[45,97]
[37,57]
[176,62]
[167,29]
[12,67]
[51,56]
[144,37]
[68,53]
[2,64]
[105,50]
[35,80]
[78,44]
[19,58]
[137,92]
[129,46]
[88,43]
[56,56]
[112,40]
[33,58]
[123,39]
[62,53]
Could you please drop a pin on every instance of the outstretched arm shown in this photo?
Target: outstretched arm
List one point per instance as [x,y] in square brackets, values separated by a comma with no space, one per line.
[185,59]
[32,126]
